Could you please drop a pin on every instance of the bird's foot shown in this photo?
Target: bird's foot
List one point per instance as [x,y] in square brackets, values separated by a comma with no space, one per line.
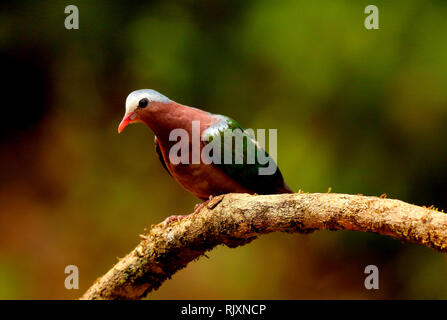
[173,218]
[211,203]
[200,206]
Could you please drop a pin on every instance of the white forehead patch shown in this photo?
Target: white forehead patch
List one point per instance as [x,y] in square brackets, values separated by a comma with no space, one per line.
[134,97]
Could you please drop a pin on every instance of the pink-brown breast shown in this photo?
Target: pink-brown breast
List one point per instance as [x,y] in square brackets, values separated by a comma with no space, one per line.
[203,180]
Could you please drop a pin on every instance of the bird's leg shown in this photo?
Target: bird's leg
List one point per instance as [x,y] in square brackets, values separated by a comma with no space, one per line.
[211,203]
[174,218]
[199,206]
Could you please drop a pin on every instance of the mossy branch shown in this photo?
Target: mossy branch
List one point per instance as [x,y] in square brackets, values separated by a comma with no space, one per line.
[237,219]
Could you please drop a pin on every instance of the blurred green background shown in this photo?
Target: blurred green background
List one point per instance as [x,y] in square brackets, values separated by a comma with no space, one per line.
[360,111]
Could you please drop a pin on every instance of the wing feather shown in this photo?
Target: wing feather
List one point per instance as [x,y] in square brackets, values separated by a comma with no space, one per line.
[160,155]
[246,173]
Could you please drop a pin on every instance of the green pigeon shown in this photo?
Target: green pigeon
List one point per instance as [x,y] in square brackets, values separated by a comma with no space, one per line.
[204,174]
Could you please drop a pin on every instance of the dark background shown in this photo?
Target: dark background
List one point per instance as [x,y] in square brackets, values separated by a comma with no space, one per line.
[360,111]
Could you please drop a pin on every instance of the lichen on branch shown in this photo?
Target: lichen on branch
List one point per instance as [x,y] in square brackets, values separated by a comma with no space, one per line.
[237,219]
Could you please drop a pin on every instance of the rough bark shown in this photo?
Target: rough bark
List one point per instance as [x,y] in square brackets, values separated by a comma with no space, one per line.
[237,219]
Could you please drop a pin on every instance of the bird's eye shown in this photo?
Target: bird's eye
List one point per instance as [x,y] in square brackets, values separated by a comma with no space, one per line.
[143,103]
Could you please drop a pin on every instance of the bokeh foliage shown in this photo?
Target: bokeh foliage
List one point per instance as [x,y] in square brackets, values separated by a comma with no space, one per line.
[360,111]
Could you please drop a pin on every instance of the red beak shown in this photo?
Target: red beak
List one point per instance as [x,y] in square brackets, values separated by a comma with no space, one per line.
[126,120]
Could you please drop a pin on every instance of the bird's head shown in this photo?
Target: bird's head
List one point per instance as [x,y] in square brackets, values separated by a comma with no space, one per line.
[140,103]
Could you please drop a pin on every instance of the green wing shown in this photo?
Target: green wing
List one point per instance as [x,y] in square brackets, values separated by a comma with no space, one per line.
[246,169]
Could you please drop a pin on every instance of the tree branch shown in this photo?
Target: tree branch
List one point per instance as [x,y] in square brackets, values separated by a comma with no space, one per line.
[237,219]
